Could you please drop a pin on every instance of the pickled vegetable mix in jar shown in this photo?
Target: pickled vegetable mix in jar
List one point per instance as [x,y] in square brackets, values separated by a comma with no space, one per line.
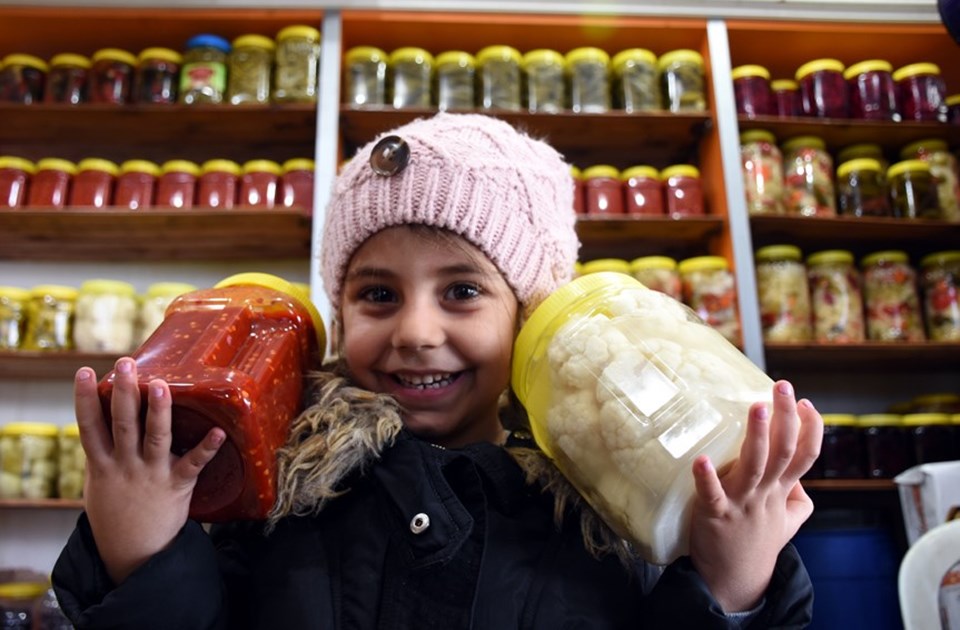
[412,71]
[808,178]
[861,189]
[762,166]
[890,296]
[297,64]
[365,76]
[456,74]
[940,287]
[784,294]
[545,85]
[588,72]
[836,297]
[709,289]
[203,77]
[943,168]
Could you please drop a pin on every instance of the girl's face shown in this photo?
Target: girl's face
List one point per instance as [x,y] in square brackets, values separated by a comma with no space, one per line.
[428,319]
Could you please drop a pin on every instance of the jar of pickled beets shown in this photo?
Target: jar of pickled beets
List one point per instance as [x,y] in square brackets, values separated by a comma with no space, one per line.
[823,90]
[234,357]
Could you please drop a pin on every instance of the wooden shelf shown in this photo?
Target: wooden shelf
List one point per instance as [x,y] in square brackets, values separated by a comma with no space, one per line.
[159,234]
[838,133]
[850,485]
[25,364]
[41,504]
[632,236]
[865,357]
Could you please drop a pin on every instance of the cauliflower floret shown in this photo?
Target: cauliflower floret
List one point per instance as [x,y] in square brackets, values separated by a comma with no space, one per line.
[572,427]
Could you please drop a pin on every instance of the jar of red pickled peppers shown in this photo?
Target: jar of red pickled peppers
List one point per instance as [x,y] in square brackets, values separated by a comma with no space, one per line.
[218,184]
[177,185]
[890,296]
[50,185]
[922,92]
[643,190]
[751,91]
[258,184]
[603,190]
[682,190]
[67,79]
[15,173]
[872,90]
[823,90]
[158,76]
[136,184]
[111,76]
[210,348]
[296,184]
[22,78]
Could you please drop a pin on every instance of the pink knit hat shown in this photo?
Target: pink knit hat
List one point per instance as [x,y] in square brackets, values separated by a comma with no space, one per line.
[508,194]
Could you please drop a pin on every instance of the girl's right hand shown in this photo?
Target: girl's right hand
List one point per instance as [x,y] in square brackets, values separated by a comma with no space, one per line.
[136,493]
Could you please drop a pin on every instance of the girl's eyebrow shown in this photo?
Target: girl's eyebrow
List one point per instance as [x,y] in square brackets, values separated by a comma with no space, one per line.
[449,270]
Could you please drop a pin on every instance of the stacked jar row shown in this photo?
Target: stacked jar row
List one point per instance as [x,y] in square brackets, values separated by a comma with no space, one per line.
[39,460]
[868,90]
[603,189]
[142,185]
[252,69]
[500,77]
[828,300]
[704,283]
[798,178]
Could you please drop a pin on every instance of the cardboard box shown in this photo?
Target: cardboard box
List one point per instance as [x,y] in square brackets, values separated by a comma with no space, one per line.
[929,496]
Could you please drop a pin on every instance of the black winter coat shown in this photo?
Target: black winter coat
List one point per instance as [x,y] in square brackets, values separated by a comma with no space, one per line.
[489,557]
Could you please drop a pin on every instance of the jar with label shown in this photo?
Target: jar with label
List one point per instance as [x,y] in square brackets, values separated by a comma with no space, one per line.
[203,77]
[412,72]
[136,184]
[499,78]
[886,445]
[258,184]
[808,178]
[28,460]
[940,288]
[588,75]
[890,297]
[365,76]
[708,288]
[249,67]
[913,194]
[17,603]
[836,297]
[92,186]
[784,294]
[218,184]
[861,190]
[14,302]
[15,174]
[154,304]
[296,184]
[823,90]
[624,390]
[297,65]
[841,453]
[601,265]
[953,109]
[158,76]
[67,79]
[214,333]
[658,273]
[932,437]
[177,185]
[71,462]
[682,81]
[50,185]
[786,98]
[545,85]
[872,90]
[635,85]
[106,314]
[50,323]
[111,76]
[922,92]
[943,168]
[762,166]
[579,192]
[603,190]
[643,191]
[456,75]
[751,91]
[22,78]
[683,191]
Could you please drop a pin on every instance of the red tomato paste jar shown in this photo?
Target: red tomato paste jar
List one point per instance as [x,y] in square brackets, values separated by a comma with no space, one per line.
[823,90]
[258,184]
[136,184]
[218,183]
[15,175]
[49,187]
[603,191]
[177,185]
[296,184]
[93,184]
[684,193]
[111,76]
[643,190]
[234,357]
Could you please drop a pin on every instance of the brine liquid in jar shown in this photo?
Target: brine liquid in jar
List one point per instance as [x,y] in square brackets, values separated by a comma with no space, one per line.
[499,78]
[455,78]
[365,76]
[890,296]
[943,169]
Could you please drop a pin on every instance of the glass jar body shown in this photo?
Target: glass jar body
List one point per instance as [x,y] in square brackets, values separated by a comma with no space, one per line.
[603,195]
[808,180]
[636,88]
[105,321]
[455,85]
[873,96]
[545,85]
[249,75]
[412,82]
[923,97]
[644,195]
[111,78]
[946,176]
[50,326]
[823,94]
[22,80]
[836,301]
[762,165]
[784,298]
[217,189]
[682,85]
[296,189]
[297,66]
[66,83]
[203,77]
[258,189]
[365,78]
[134,190]
[940,288]
[13,186]
[887,451]
[710,291]
[753,96]
[156,81]
[891,300]
[786,102]
[841,454]
[913,193]
[71,462]
[499,84]
[49,188]
[92,188]
[29,463]
[589,85]
[13,317]
[684,196]
[863,193]
[176,189]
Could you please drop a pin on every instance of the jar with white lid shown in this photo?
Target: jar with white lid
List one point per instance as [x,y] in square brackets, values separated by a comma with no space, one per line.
[28,460]
[783,293]
[106,316]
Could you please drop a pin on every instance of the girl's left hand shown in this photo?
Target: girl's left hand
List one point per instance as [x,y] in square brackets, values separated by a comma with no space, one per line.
[743,516]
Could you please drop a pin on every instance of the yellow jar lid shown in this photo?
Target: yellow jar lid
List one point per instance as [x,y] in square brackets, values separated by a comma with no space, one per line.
[18,163]
[862,150]
[70,430]
[907,166]
[543,56]
[39,429]
[185,166]
[778,85]
[757,135]
[70,59]
[778,252]
[830,257]
[819,65]
[926,145]
[936,399]
[102,286]
[914,69]
[587,54]
[679,170]
[575,172]
[299,30]
[839,420]
[262,166]
[14,293]
[640,171]
[605,264]
[114,54]
[57,164]
[22,590]
[169,289]
[682,55]
[632,56]
[252,40]
[20,59]
[98,164]
[601,170]
[140,166]
[880,420]
[870,65]
[298,164]
[652,262]
[411,53]
[940,258]
[858,164]
[56,291]
[804,142]
[888,256]
[953,99]
[162,54]
[371,54]
[702,263]
[750,70]
[220,166]
[925,419]
[459,58]
[499,53]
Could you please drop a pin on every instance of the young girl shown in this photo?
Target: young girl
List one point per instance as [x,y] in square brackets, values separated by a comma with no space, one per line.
[404,499]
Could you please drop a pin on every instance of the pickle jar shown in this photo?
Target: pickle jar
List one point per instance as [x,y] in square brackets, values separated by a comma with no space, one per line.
[14,303]
[249,67]
[296,184]
[297,65]
[861,190]
[203,349]
[499,82]
[50,185]
[823,90]
[51,317]
[683,190]
[940,289]
[751,91]
[93,184]
[932,437]
[258,184]
[886,445]
[15,174]
[643,191]
[157,79]
[365,76]
[579,192]
[635,85]
[600,265]
[136,185]
[28,460]
[455,75]
[836,297]
[890,297]
[218,184]
[658,273]
[544,74]
[841,453]
[67,79]
[864,150]
[922,92]
[603,190]
[203,77]
[111,76]
[708,287]
[154,304]
[953,109]
[784,294]
[412,72]
[106,314]
[588,78]
[808,178]
[943,168]
[682,84]
[762,165]
[942,402]
[913,194]
[873,93]
[624,390]
[177,184]
[786,98]
[71,462]
[22,78]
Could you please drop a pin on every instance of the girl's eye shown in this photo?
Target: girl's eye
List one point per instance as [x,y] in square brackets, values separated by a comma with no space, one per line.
[377,294]
[463,291]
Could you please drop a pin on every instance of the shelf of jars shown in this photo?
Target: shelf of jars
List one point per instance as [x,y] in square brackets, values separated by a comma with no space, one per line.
[41,504]
[31,364]
[855,485]
[867,356]
[840,132]
[632,236]
[83,234]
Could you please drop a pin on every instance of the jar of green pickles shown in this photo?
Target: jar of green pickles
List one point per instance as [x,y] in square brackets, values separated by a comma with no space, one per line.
[249,68]
[51,317]
[412,72]
[943,168]
[913,194]
[861,190]
[545,73]
[365,76]
[808,178]
[71,462]
[28,464]
[682,81]
[203,76]
[940,289]
[456,74]
[784,294]
[588,74]
[890,296]
[296,64]
[13,317]
[499,78]
[635,86]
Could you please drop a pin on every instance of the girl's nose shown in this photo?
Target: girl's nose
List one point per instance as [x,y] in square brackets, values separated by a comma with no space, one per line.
[419,325]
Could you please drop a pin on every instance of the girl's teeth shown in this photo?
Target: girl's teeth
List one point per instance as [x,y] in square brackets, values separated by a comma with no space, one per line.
[431,381]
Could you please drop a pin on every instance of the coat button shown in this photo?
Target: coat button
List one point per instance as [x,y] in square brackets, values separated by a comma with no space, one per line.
[390,156]
[419,523]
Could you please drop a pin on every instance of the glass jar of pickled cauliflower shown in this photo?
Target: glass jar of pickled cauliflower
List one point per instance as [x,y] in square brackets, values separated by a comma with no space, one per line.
[681,80]
[872,90]
[890,297]
[14,303]
[365,76]
[296,64]
[940,289]
[71,461]
[784,294]
[545,86]
[456,75]
[635,85]
[823,90]
[588,76]
[922,92]
[500,77]
[786,98]
[836,297]
[861,189]
[751,91]
[943,168]
[658,273]
[808,178]
[412,72]
[106,315]
[762,165]
[913,194]
[51,317]
[28,460]
[709,289]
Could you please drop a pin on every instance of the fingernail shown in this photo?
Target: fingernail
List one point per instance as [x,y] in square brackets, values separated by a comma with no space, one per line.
[762,412]
[806,403]
[124,366]
[156,391]
[784,388]
[83,375]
